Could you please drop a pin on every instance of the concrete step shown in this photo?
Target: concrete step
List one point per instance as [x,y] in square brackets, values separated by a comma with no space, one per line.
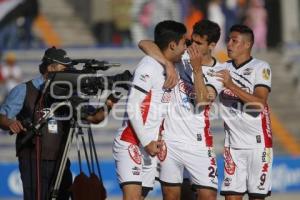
[71,29]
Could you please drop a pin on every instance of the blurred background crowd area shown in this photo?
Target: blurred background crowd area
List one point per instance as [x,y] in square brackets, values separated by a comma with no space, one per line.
[23,23]
[31,24]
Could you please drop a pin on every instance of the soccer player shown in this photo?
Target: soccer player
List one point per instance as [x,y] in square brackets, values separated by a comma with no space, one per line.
[248,138]
[188,143]
[147,103]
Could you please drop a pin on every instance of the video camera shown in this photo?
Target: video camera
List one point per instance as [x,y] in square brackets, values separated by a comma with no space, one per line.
[86,80]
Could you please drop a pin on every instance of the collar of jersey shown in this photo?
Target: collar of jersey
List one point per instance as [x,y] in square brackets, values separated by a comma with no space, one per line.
[215,62]
[241,65]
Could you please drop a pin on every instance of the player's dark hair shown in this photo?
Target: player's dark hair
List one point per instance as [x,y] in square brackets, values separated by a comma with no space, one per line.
[245,30]
[168,31]
[208,28]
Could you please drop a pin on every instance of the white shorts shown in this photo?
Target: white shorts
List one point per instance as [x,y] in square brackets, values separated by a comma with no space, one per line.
[200,164]
[247,171]
[133,164]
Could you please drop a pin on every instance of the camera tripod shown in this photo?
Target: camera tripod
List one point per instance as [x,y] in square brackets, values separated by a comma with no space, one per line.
[76,129]
[73,129]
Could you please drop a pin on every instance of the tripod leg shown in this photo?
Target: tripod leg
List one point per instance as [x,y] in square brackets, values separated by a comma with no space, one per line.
[55,190]
[38,168]
[95,152]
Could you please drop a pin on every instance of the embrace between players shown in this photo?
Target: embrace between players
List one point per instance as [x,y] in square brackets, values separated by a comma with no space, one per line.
[166,130]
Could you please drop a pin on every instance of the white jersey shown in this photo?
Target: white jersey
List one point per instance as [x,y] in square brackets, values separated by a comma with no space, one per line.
[149,78]
[184,123]
[245,128]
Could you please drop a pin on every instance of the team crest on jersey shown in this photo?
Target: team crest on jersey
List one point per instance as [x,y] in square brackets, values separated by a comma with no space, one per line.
[135,154]
[162,154]
[266,74]
[247,71]
[229,163]
[186,88]
[144,77]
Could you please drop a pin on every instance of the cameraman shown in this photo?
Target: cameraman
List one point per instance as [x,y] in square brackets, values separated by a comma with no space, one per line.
[25,103]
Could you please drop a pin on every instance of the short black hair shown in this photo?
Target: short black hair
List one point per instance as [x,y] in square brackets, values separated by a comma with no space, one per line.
[243,29]
[168,31]
[209,28]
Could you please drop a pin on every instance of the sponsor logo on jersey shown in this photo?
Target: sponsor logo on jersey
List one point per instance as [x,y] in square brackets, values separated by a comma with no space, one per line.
[247,71]
[135,154]
[227,181]
[268,122]
[136,171]
[266,74]
[266,156]
[144,77]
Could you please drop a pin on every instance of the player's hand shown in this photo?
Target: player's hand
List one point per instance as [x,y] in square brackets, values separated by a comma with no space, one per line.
[225,78]
[114,97]
[172,78]
[195,57]
[16,127]
[153,148]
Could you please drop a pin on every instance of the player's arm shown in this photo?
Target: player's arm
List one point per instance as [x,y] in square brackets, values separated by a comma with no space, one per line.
[141,87]
[135,100]
[103,112]
[204,94]
[257,100]
[151,49]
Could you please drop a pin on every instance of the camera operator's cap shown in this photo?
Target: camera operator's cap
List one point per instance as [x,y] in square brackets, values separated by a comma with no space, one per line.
[57,56]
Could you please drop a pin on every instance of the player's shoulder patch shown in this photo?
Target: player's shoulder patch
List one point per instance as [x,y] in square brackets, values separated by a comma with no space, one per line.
[266,73]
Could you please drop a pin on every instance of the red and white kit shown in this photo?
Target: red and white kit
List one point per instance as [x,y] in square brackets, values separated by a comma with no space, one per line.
[132,163]
[189,143]
[248,137]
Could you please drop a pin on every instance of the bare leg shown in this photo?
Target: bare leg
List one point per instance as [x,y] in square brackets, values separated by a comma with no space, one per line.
[132,192]
[233,197]
[171,192]
[206,194]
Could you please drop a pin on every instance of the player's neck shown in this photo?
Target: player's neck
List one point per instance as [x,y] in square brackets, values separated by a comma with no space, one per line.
[169,56]
[208,60]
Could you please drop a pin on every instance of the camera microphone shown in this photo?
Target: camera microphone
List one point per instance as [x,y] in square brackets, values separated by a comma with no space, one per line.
[95,64]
